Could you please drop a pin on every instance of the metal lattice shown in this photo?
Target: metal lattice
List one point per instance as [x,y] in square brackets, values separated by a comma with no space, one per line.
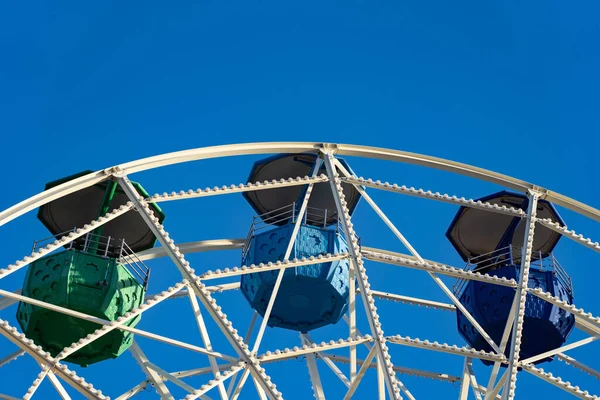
[228,373]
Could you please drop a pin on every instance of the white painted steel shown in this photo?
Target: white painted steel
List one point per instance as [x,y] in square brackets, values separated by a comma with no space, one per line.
[356,260]
[153,376]
[250,362]
[199,288]
[517,329]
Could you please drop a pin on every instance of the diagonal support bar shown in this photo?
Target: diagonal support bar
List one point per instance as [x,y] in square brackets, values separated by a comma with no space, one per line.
[43,358]
[206,341]
[151,374]
[356,259]
[517,331]
[199,289]
[315,378]
[411,249]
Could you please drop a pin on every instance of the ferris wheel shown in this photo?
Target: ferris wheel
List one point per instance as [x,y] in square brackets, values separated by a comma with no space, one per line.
[306,273]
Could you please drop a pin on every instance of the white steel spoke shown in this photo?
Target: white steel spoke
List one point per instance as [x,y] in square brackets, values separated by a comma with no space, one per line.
[134,390]
[272,266]
[403,260]
[116,324]
[242,187]
[44,358]
[571,234]
[7,301]
[246,340]
[499,385]
[361,373]
[151,374]
[445,348]
[193,247]
[287,353]
[44,251]
[211,384]
[7,397]
[36,383]
[58,386]
[112,325]
[206,341]
[278,265]
[414,301]
[315,379]
[401,370]
[286,257]
[352,315]
[199,288]
[472,379]
[466,313]
[381,380]
[576,364]
[170,377]
[411,191]
[558,382]
[327,360]
[591,322]
[11,357]
[567,347]
[517,329]
[463,394]
[368,301]
[503,343]
[421,261]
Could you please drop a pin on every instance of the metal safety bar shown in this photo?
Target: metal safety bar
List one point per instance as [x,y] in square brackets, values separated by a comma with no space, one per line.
[106,247]
[511,255]
[289,214]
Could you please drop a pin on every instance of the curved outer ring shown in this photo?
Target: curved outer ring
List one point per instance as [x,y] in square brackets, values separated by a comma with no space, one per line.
[293,147]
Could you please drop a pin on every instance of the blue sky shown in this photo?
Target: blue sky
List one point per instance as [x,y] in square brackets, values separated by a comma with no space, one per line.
[510,86]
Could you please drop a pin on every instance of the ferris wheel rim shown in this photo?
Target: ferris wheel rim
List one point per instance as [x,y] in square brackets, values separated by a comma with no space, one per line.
[120,173]
[231,150]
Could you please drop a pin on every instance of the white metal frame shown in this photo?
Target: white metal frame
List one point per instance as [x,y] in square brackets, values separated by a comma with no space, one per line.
[201,300]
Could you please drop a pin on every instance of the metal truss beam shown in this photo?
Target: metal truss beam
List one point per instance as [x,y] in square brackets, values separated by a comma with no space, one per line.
[361,372]
[421,261]
[306,340]
[11,357]
[576,364]
[44,251]
[58,386]
[401,370]
[118,324]
[521,295]
[558,382]
[206,340]
[561,349]
[43,358]
[151,374]
[403,260]
[215,382]
[411,191]
[445,348]
[292,147]
[414,301]
[281,268]
[315,378]
[272,266]
[368,301]
[199,288]
[241,188]
[6,302]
